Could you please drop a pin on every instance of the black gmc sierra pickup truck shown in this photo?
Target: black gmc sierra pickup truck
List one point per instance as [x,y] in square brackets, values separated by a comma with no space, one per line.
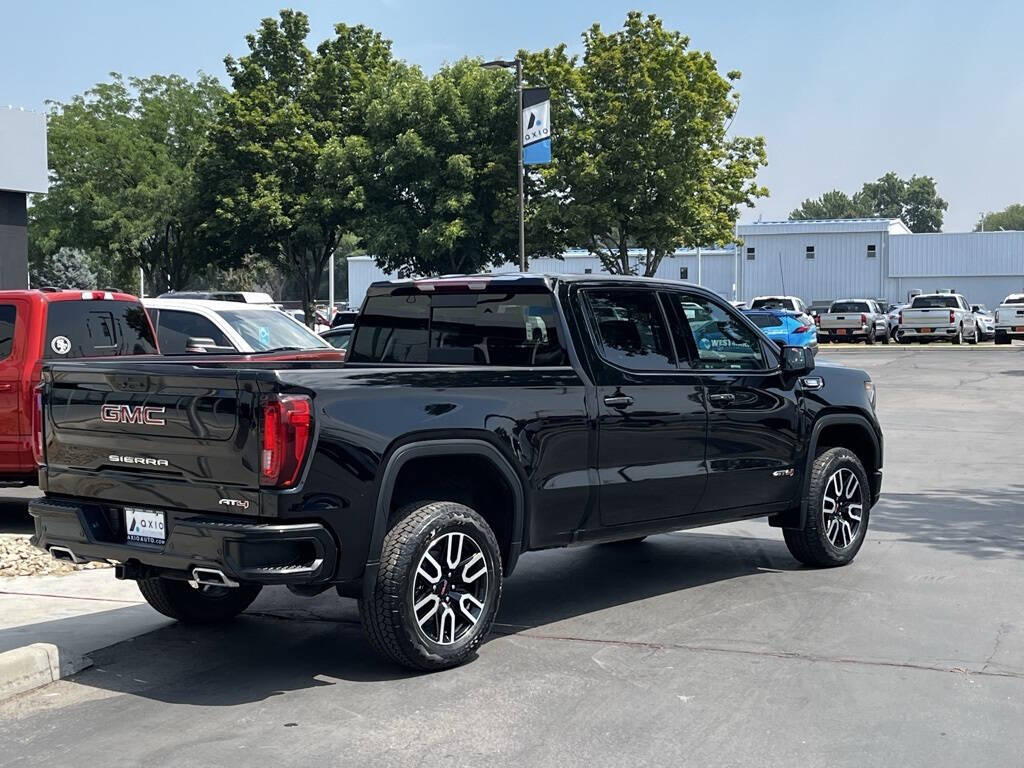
[476,418]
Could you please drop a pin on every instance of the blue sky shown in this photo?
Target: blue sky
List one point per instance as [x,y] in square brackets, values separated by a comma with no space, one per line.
[841,92]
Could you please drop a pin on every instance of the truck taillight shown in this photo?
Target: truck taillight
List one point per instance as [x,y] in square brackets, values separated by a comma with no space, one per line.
[286,430]
[900,321]
[817,320]
[863,319]
[997,315]
[37,424]
[952,317]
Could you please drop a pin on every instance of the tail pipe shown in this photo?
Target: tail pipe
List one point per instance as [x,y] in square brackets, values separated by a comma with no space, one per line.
[210,577]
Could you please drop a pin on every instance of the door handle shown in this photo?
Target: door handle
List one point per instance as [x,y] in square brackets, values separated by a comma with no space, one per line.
[722,397]
[618,401]
[6,387]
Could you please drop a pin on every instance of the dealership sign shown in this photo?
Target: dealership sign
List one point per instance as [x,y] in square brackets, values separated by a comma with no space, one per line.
[536,126]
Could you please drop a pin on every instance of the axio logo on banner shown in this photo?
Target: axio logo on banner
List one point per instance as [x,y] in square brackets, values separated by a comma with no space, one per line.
[536,126]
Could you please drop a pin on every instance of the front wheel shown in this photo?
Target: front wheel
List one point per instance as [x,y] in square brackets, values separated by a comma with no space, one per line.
[838,504]
[437,590]
[197,605]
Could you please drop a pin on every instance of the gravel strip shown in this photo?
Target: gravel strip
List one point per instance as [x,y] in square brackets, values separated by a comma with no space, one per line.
[19,558]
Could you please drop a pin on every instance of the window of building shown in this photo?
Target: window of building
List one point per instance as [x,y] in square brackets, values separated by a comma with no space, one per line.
[810,251]
[871,251]
[750,254]
[684,273]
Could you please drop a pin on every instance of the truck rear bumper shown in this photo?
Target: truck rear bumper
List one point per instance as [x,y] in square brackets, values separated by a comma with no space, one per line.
[243,549]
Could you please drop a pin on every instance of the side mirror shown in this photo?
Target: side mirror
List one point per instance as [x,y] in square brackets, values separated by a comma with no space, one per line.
[797,360]
[201,344]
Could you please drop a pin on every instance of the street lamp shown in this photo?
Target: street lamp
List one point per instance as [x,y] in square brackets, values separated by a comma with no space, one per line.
[518,65]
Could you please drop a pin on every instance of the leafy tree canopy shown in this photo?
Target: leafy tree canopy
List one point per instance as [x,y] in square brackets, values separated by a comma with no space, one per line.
[67,268]
[914,200]
[642,153]
[264,176]
[1012,218]
[121,160]
[433,175]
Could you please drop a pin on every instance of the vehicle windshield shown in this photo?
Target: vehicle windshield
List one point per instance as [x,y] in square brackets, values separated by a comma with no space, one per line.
[1014,299]
[850,306]
[268,329]
[770,303]
[97,329]
[935,302]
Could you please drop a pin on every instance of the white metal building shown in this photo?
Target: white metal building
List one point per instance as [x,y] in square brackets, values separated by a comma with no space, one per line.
[818,261]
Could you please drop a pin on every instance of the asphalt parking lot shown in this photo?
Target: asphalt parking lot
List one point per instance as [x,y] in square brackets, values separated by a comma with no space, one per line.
[709,647]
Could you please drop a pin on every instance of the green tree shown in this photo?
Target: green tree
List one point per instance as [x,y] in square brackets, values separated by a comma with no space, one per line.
[915,200]
[264,176]
[122,160]
[434,172]
[67,268]
[1012,218]
[832,205]
[642,152]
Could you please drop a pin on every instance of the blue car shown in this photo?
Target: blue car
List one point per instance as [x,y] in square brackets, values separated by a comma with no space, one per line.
[789,328]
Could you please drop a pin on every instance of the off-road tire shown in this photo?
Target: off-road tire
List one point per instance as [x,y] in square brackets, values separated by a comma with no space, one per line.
[810,544]
[209,605]
[386,608]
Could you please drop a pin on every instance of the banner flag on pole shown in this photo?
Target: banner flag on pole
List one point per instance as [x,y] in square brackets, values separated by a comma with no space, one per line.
[536,126]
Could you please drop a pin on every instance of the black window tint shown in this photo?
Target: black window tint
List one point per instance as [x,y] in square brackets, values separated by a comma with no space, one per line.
[478,328]
[177,327]
[766,321]
[392,329]
[850,306]
[97,328]
[721,339]
[631,330]
[8,313]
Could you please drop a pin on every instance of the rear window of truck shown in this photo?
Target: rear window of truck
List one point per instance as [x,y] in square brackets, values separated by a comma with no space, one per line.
[97,329]
[1014,300]
[480,328]
[850,306]
[935,302]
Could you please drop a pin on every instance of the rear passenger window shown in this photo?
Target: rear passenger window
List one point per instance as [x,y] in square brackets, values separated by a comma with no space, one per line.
[8,314]
[478,328]
[97,328]
[631,329]
[720,338]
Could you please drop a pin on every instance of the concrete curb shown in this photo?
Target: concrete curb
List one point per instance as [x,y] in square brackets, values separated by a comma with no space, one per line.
[32,666]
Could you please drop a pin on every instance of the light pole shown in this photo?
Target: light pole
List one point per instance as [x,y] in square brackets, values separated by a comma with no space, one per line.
[518,65]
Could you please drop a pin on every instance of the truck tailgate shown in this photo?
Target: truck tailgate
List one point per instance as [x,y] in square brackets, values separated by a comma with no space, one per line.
[926,318]
[849,320]
[153,435]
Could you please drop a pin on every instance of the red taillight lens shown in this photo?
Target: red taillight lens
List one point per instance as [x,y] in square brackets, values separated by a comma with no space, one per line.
[37,424]
[802,329]
[287,427]
[952,317]
[863,319]
[900,321]
[817,320]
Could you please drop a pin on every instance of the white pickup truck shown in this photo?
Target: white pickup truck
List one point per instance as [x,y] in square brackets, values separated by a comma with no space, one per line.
[939,317]
[1010,319]
[854,320]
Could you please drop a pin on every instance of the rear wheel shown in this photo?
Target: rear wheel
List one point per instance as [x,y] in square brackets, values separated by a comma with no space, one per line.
[202,605]
[838,503]
[975,337]
[885,336]
[870,338]
[437,590]
[958,338]
[1002,338]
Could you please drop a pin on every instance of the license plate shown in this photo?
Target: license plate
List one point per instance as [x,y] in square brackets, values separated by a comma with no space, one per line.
[841,332]
[926,330]
[145,526]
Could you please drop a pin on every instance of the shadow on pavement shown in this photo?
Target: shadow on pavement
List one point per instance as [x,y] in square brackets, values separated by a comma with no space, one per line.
[308,644]
[981,523]
[14,517]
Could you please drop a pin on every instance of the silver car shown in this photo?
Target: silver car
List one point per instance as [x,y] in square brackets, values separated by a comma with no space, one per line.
[986,321]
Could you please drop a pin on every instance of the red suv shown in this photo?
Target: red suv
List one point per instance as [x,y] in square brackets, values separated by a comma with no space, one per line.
[40,326]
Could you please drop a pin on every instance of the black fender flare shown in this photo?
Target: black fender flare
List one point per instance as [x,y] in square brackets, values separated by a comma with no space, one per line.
[443,447]
[797,516]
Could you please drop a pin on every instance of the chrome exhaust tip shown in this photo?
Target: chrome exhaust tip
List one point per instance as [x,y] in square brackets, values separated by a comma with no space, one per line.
[210,577]
[65,554]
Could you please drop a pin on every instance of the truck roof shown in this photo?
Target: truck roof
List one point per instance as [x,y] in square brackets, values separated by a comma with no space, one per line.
[541,280]
[64,295]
